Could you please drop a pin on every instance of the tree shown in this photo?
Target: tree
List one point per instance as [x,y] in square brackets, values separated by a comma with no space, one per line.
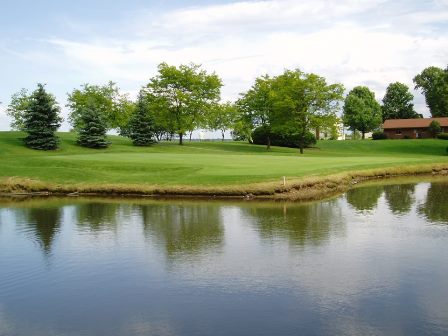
[141,124]
[222,117]
[434,128]
[361,111]
[397,102]
[300,99]
[41,120]
[106,100]
[433,82]
[17,109]
[256,107]
[185,94]
[92,129]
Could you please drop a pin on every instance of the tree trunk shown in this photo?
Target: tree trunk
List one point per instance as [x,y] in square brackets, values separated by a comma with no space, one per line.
[222,132]
[363,135]
[268,147]
[191,133]
[301,148]
[181,135]
[317,133]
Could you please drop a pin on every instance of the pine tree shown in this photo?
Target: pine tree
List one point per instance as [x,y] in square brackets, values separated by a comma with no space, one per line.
[41,120]
[141,126]
[92,129]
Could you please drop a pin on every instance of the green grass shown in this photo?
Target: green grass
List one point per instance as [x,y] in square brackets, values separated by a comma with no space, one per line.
[205,163]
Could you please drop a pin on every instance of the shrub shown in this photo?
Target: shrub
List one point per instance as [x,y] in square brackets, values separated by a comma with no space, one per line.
[443,136]
[434,128]
[406,137]
[283,137]
[379,135]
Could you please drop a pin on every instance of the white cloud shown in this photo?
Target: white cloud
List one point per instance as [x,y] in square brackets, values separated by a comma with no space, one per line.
[356,42]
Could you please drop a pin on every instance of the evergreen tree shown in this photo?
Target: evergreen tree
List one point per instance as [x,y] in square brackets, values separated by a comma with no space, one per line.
[92,129]
[141,126]
[41,120]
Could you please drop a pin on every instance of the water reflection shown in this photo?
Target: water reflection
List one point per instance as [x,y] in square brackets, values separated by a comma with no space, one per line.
[400,197]
[184,229]
[301,224]
[97,216]
[435,207]
[364,198]
[42,224]
[343,277]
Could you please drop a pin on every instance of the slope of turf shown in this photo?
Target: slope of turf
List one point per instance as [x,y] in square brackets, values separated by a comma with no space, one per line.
[205,163]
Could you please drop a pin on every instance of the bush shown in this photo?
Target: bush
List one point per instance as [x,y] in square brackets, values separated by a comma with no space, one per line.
[379,135]
[434,128]
[283,137]
[443,136]
[406,136]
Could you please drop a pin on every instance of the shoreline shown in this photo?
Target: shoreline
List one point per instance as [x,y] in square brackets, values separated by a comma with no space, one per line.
[297,189]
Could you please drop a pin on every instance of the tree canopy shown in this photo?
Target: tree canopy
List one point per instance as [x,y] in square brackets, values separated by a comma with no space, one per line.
[141,126]
[184,95]
[433,82]
[361,110]
[222,117]
[106,100]
[92,129]
[256,107]
[397,102]
[17,108]
[301,99]
[41,120]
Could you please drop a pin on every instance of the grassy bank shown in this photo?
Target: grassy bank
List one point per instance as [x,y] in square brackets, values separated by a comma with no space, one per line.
[209,168]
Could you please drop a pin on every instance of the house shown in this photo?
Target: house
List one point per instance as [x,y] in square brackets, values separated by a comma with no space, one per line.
[412,128]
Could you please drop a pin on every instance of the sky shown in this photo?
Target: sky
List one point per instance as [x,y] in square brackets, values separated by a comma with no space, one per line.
[354,42]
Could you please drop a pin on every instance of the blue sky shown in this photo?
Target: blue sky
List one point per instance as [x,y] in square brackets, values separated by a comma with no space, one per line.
[356,42]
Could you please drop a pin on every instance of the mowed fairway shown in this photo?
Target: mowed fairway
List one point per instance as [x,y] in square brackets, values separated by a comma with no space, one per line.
[205,163]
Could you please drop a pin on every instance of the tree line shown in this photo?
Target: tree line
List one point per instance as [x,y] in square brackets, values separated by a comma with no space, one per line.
[278,110]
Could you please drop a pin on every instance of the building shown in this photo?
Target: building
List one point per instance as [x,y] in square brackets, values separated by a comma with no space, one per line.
[412,128]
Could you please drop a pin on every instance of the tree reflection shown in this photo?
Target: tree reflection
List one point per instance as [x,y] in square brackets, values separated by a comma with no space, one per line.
[302,224]
[435,207]
[184,229]
[97,216]
[399,197]
[364,198]
[43,223]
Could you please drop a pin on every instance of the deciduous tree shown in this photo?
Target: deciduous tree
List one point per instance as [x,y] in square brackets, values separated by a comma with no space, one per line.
[184,94]
[361,110]
[222,117]
[256,107]
[106,100]
[299,99]
[397,102]
[433,82]
[17,109]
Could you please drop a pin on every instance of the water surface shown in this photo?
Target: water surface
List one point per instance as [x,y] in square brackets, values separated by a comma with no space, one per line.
[372,261]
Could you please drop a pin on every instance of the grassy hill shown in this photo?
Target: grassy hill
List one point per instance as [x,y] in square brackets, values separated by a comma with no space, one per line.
[205,163]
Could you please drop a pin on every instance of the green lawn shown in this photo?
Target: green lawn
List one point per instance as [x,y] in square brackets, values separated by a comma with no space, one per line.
[205,163]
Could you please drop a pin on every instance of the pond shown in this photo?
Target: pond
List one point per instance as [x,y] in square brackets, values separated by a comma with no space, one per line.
[372,261]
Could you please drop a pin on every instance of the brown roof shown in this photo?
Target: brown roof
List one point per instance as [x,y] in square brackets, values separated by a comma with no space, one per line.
[413,123]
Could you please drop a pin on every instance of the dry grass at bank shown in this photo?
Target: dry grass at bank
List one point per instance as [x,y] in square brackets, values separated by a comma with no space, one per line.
[306,188]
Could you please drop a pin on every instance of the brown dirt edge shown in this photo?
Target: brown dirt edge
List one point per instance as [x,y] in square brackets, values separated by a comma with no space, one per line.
[297,189]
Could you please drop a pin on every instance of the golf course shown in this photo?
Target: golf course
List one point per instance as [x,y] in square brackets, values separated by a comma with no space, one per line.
[208,167]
